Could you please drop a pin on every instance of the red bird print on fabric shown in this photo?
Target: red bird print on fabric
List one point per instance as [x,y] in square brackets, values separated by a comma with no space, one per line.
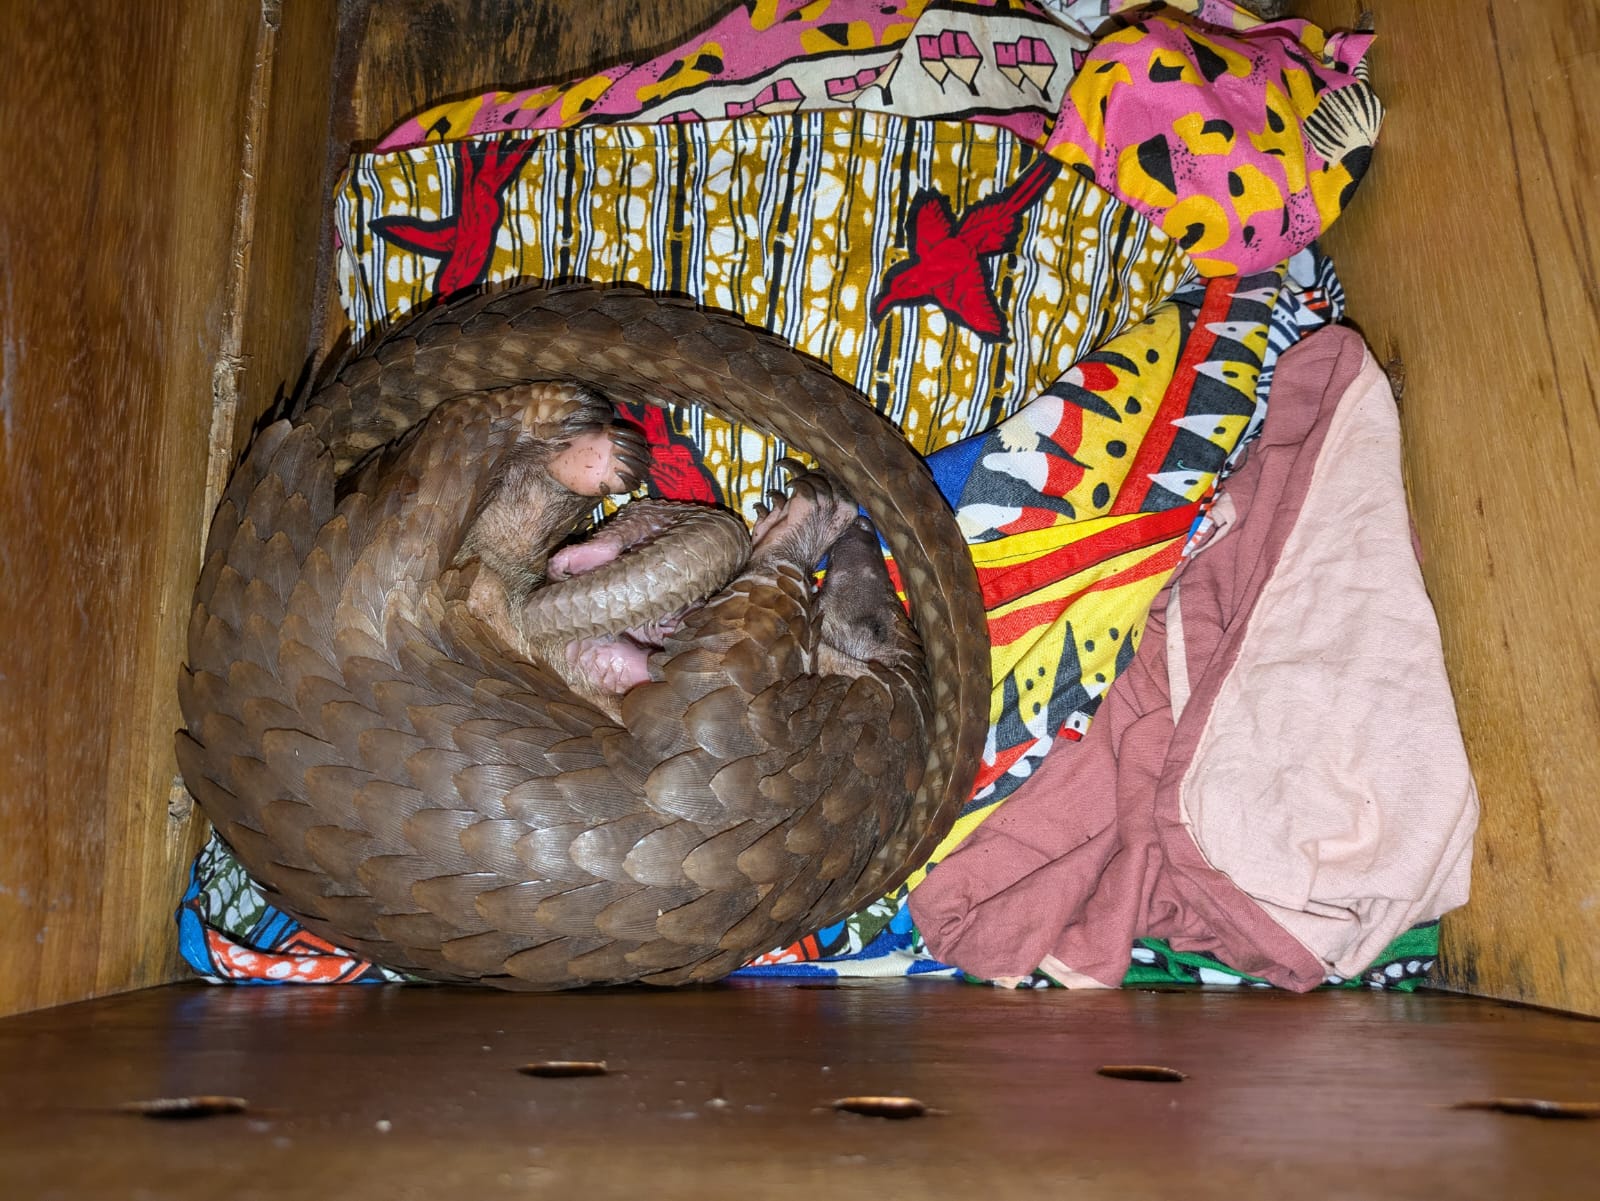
[675,472]
[464,241]
[946,265]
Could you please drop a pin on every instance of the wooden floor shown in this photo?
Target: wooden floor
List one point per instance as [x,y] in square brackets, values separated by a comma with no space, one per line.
[398,1093]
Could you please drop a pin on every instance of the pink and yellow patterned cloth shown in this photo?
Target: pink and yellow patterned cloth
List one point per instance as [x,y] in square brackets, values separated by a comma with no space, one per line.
[1240,140]
[1050,259]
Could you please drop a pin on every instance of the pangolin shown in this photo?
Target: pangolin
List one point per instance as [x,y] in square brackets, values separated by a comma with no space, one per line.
[389,732]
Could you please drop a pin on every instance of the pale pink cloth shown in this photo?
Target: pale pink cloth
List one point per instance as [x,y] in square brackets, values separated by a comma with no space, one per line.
[1311,798]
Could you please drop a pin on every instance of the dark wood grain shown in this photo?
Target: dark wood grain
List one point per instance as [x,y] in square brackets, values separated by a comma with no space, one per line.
[133,137]
[1471,256]
[284,222]
[374,1092]
[416,53]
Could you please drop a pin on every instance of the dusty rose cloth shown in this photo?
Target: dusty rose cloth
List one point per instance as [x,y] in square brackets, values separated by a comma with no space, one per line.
[1307,797]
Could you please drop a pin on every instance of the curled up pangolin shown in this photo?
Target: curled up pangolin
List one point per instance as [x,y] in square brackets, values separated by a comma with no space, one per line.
[592,611]
[448,739]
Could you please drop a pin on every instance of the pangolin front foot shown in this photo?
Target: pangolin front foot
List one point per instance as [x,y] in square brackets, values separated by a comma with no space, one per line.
[600,460]
[802,525]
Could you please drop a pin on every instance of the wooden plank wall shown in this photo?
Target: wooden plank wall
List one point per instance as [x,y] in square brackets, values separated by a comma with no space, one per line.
[1472,255]
[158,231]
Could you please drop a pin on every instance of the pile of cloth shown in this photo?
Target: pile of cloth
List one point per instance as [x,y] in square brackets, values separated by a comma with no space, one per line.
[1069,248]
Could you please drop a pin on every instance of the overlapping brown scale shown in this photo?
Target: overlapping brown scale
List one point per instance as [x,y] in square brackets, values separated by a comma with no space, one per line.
[657,859]
[546,850]
[548,965]
[602,849]
[436,836]
[338,850]
[710,913]
[379,763]
[714,863]
[355,918]
[483,954]
[454,898]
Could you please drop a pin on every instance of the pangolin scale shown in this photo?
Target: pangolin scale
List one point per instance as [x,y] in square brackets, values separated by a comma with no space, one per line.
[409,790]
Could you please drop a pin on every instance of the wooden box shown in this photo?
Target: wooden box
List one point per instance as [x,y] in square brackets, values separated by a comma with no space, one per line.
[163,229]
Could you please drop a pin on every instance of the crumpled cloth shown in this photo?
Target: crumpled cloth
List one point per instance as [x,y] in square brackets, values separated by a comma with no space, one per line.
[1278,777]
[1241,139]
[810,166]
